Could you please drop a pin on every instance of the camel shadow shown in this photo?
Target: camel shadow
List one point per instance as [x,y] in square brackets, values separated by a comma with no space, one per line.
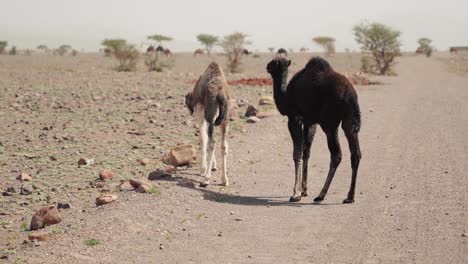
[220,197]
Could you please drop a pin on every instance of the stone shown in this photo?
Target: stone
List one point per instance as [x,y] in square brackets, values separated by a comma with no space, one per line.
[158,175]
[105,199]
[253,119]
[64,205]
[24,177]
[187,183]
[135,183]
[265,114]
[126,186]
[251,111]
[170,169]
[266,100]
[143,188]
[106,175]
[39,236]
[181,155]
[85,162]
[48,215]
[26,189]
[144,161]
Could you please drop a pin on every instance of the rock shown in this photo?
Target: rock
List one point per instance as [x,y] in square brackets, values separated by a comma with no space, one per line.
[186,183]
[105,199]
[158,175]
[465,235]
[238,219]
[53,158]
[170,169]
[251,111]
[371,110]
[253,119]
[48,215]
[135,183]
[265,114]
[85,162]
[125,186]
[143,188]
[144,161]
[24,177]
[106,175]
[26,189]
[181,155]
[65,205]
[39,236]
[266,100]
[7,194]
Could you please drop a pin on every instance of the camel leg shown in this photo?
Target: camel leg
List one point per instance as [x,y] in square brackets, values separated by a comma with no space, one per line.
[309,133]
[335,159]
[224,152]
[203,139]
[295,129]
[214,166]
[353,142]
[210,154]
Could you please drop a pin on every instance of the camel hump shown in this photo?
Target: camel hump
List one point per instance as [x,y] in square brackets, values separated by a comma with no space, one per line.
[318,65]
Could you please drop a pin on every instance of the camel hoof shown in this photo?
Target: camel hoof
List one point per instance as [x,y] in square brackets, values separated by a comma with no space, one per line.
[304,194]
[318,199]
[214,169]
[295,199]
[203,184]
[348,201]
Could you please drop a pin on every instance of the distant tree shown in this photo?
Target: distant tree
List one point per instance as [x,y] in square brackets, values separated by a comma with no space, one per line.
[159,39]
[382,43]
[12,51]
[208,41]
[327,43]
[63,49]
[42,48]
[126,54]
[425,46]
[271,49]
[234,46]
[74,52]
[303,49]
[3,45]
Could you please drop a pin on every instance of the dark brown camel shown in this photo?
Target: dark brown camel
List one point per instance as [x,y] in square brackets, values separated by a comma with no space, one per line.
[317,95]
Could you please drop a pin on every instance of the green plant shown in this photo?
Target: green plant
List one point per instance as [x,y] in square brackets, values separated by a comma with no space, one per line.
[208,41]
[24,226]
[3,45]
[92,242]
[327,43]
[155,191]
[113,44]
[233,46]
[63,49]
[381,42]
[56,230]
[425,46]
[126,54]
[159,39]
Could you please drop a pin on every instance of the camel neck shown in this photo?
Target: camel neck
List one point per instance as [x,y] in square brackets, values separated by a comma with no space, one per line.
[280,96]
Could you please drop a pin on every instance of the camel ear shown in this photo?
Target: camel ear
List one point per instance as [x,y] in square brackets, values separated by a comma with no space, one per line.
[289,63]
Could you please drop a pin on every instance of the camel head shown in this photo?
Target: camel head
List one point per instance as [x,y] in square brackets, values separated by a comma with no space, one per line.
[189,102]
[278,69]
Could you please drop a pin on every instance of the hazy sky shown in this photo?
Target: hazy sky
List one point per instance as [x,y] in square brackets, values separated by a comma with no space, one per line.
[270,23]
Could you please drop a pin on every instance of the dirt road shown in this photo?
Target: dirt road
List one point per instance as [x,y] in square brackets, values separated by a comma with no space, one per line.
[410,205]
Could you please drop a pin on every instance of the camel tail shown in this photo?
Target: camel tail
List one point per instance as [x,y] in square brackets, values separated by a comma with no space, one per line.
[223,109]
[355,113]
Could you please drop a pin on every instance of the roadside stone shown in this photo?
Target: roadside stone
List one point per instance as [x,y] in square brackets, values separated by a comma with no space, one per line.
[106,175]
[143,188]
[144,161]
[135,183]
[253,119]
[85,162]
[265,114]
[39,236]
[266,100]
[186,183]
[48,215]
[125,186]
[238,219]
[465,235]
[181,155]
[26,189]
[158,175]
[24,177]
[64,205]
[170,169]
[251,111]
[105,199]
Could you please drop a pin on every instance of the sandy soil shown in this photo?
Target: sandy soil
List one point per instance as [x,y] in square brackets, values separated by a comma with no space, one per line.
[411,193]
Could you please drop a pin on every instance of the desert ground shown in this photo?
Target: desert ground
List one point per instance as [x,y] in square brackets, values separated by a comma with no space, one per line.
[411,202]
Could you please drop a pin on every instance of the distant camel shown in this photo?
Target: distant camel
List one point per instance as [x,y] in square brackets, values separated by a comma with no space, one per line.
[198,52]
[419,51]
[246,52]
[160,49]
[281,53]
[167,52]
[317,95]
[453,50]
[150,49]
[210,98]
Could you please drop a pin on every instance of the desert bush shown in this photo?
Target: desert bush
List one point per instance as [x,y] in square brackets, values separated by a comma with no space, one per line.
[159,39]
[327,43]
[233,46]
[208,41]
[13,51]
[63,49]
[74,52]
[303,49]
[3,45]
[271,49]
[382,43]
[126,54]
[425,46]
